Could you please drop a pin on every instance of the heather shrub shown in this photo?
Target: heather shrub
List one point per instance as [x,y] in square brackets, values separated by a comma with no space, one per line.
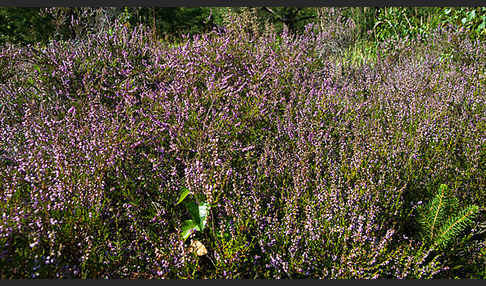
[311,169]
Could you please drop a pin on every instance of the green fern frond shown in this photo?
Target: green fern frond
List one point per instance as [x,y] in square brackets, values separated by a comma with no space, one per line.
[436,210]
[424,219]
[452,205]
[440,220]
[455,225]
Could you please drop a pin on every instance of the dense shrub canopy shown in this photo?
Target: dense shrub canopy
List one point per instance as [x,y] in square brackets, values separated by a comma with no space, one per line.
[313,169]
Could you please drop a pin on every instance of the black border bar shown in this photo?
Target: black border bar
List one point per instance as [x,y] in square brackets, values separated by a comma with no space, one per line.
[240,3]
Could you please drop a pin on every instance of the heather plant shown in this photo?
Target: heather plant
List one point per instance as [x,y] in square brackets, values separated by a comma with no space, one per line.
[311,169]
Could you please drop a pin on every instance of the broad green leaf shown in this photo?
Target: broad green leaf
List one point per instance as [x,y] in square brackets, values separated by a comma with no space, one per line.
[188,227]
[203,215]
[193,209]
[185,192]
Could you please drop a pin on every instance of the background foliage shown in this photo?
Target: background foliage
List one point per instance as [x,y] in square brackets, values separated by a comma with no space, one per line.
[29,25]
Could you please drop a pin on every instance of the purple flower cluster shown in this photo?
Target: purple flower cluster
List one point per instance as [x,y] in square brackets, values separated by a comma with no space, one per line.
[312,167]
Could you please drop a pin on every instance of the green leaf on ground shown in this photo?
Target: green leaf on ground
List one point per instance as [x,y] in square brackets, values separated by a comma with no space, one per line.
[188,227]
[184,193]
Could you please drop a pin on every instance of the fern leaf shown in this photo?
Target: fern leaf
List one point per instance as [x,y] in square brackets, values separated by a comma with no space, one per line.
[424,221]
[436,209]
[455,225]
[451,205]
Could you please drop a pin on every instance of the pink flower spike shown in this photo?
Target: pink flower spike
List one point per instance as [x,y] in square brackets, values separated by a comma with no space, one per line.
[72,110]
